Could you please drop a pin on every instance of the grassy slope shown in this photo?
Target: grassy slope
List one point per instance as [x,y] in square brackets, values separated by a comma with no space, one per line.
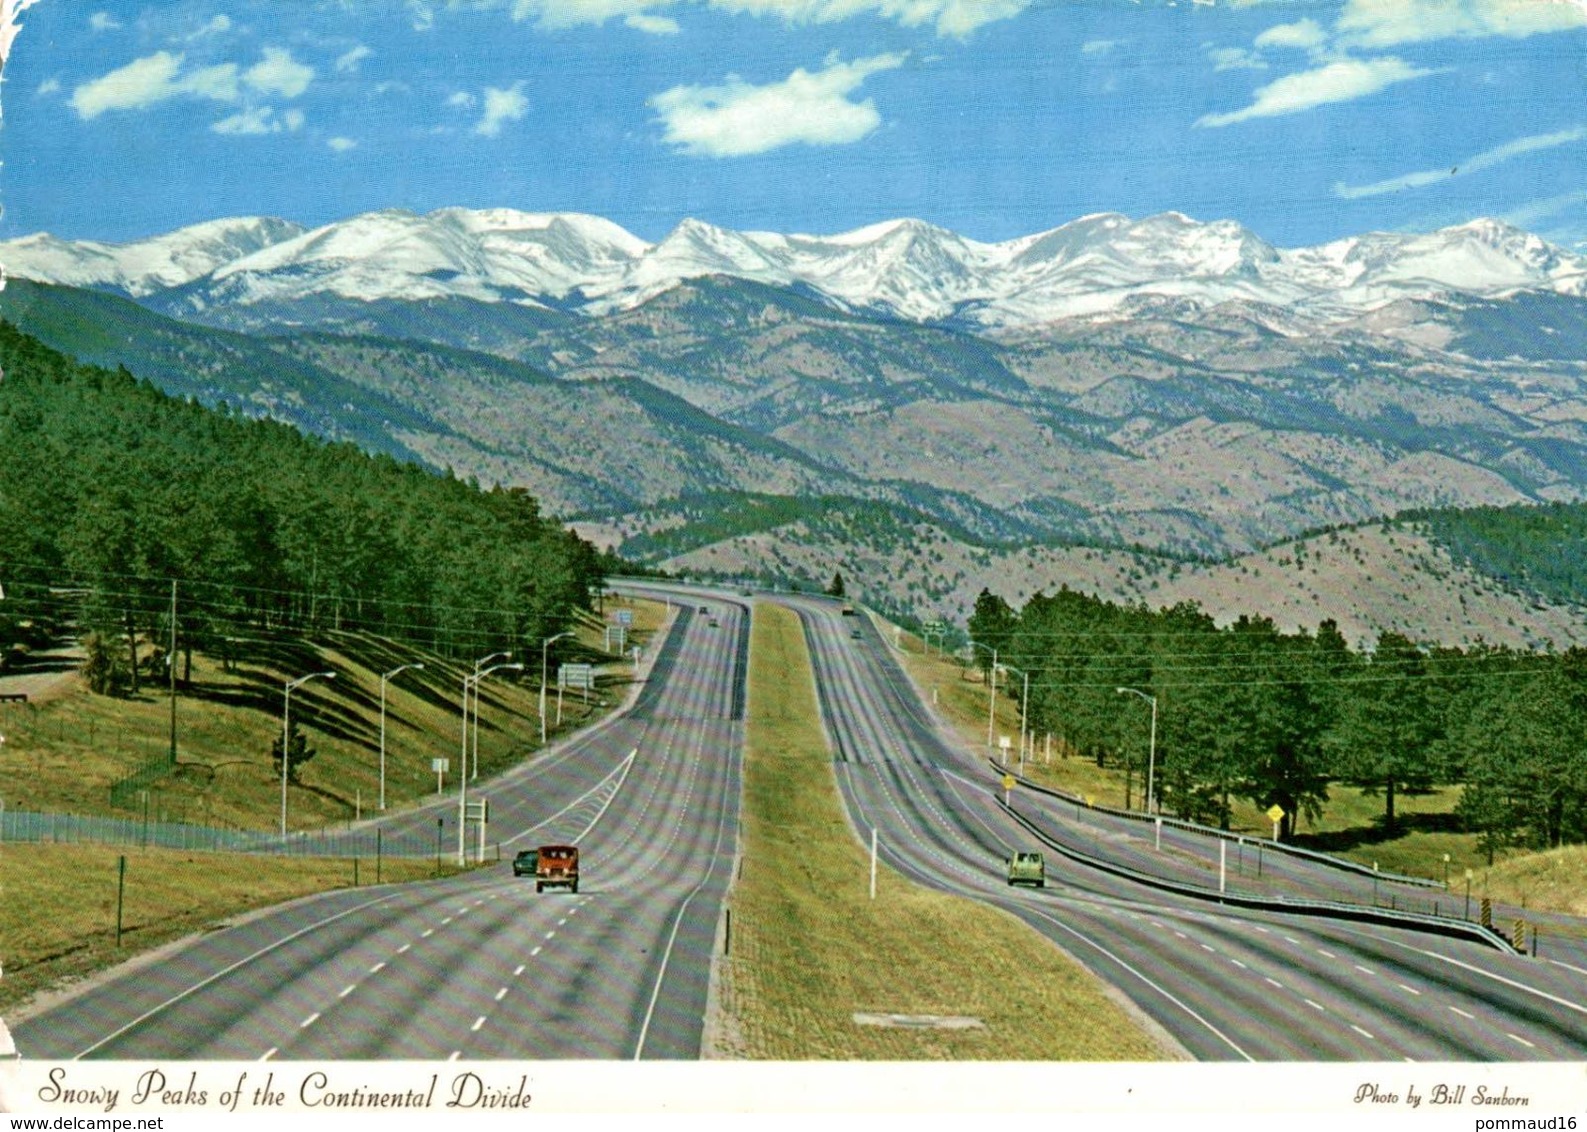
[57,902]
[809,949]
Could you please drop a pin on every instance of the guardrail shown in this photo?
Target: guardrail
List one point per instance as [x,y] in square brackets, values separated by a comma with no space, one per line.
[1438,925]
[1329,860]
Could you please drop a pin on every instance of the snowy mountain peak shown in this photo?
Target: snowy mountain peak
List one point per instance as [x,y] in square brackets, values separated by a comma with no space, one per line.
[1105,265]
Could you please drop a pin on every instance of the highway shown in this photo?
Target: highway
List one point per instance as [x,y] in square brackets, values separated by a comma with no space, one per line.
[1217,982]
[479,965]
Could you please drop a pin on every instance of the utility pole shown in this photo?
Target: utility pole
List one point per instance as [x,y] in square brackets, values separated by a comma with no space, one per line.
[170,661]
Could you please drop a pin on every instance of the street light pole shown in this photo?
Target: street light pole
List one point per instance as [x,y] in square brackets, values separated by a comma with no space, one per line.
[545,646]
[478,664]
[1151,757]
[384,677]
[462,776]
[286,736]
[1024,708]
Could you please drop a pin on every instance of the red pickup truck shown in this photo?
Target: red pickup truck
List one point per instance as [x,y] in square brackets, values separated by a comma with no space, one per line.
[557,866]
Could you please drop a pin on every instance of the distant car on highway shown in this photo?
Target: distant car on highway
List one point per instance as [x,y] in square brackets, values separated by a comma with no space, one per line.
[524,863]
[1027,868]
[712,623]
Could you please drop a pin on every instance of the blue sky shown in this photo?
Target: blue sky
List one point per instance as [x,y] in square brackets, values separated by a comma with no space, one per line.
[1303,120]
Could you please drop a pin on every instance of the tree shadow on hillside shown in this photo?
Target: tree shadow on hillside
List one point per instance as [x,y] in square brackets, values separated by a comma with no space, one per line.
[1341,840]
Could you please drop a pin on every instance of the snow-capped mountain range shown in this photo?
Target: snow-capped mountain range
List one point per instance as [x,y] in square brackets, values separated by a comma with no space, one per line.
[1101,265]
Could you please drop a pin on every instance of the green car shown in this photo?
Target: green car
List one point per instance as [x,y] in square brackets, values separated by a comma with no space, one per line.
[1027,868]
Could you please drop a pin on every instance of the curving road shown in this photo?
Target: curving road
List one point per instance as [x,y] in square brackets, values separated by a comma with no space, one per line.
[1222,983]
[479,965]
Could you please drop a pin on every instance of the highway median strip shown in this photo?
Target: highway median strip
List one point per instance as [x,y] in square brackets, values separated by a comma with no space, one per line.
[810,953]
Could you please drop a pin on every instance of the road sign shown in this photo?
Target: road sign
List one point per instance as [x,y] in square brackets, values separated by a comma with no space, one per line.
[1004,742]
[1275,813]
[625,616]
[440,766]
[576,676]
[1008,782]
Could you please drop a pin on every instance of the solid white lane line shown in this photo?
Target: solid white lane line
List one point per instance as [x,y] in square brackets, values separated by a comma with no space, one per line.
[1362,1032]
[1413,990]
[501,994]
[377,968]
[309,1021]
[478,1022]
[1462,1013]
[1315,1005]
[1519,1038]
[347,990]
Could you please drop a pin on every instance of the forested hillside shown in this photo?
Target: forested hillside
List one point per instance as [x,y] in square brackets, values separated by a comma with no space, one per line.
[1253,713]
[110,490]
[1535,549]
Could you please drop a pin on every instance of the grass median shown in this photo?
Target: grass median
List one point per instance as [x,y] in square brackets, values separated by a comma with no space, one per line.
[809,949]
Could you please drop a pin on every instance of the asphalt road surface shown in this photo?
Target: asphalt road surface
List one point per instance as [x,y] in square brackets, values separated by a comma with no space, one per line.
[1223,983]
[479,965]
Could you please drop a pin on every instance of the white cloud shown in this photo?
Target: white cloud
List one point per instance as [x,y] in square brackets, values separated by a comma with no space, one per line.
[260,120]
[461,99]
[1485,160]
[1529,214]
[1235,59]
[1304,34]
[279,73]
[150,80]
[1343,80]
[348,62]
[653,25]
[341,145]
[956,18]
[48,86]
[1098,46]
[1387,23]
[103,21]
[217,25]
[501,107]
[737,119]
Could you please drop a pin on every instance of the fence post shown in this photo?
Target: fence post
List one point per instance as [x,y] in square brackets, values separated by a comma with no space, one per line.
[121,885]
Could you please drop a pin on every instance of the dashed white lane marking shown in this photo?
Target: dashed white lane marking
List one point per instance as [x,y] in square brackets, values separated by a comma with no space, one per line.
[426,933]
[1275,982]
[1261,929]
[1363,970]
[1362,1032]
[1326,954]
[1403,987]
[1462,1013]
[403,948]
[562,921]
[533,953]
[1315,1005]
[1293,940]
[518,970]
[269,1053]
[1182,935]
[1239,964]
[1214,950]
[501,994]
[309,1021]
[446,919]
[551,933]
[377,968]
[1519,1038]
[347,990]
[1155,924]
[478,1022]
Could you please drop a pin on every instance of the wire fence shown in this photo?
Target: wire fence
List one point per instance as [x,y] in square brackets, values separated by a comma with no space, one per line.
[25,826]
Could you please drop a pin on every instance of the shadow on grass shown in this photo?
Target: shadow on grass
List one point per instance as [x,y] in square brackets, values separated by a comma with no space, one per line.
[1340,840]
